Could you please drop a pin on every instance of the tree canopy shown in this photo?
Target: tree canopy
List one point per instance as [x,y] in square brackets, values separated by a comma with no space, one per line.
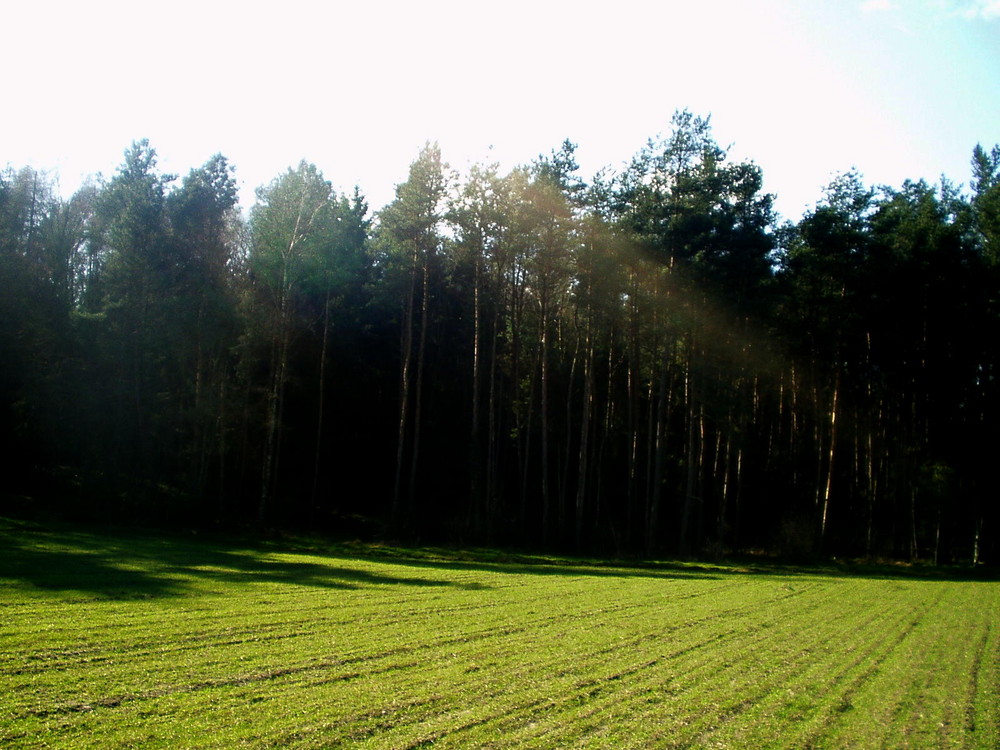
[644,362]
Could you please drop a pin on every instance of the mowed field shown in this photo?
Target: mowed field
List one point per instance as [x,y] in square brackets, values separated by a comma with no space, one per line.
[132,641]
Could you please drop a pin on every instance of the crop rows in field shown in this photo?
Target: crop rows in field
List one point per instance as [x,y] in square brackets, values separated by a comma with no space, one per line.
[200,646]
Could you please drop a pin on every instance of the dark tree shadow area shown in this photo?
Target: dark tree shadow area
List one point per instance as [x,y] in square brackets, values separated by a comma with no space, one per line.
[521,563]
[115,565]
[119,564]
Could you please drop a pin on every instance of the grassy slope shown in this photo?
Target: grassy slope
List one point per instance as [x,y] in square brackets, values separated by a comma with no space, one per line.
[116,641]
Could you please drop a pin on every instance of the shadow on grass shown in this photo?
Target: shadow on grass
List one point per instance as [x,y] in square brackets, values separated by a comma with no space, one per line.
[114,566]
[548,567]
[132,565]
[503,562]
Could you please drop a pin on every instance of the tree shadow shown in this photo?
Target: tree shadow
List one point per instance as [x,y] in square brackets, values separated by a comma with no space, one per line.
[568,569]
[133,565]
[75,566]
[493,561]
[241,566]
[528,564]
[110,566]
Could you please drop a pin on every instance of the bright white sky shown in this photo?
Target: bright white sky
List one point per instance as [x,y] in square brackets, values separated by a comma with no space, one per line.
[806,88]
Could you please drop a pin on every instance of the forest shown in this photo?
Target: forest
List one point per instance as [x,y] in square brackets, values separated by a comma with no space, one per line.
[647,362]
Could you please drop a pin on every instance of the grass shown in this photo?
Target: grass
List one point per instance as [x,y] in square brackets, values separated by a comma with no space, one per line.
[122,640]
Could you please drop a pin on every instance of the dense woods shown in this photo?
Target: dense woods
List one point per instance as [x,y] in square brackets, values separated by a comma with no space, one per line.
[647,362]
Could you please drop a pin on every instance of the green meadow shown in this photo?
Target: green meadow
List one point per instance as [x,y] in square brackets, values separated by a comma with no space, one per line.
[118,639]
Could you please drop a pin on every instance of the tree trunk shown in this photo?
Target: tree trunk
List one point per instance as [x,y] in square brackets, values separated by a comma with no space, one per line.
[831,461]
[544,353]
[658,448]
[279,362]
[492,439]
[418,395]
[320,403]
[586,413]
[693,451]
[406,361]
[567,456]
[478,512]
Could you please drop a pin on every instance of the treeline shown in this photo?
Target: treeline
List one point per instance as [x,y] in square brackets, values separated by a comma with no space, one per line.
[642,363]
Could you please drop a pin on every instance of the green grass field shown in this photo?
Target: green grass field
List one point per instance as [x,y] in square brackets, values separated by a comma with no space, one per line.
[124,640]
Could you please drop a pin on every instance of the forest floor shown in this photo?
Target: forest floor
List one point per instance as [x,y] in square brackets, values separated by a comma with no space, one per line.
[122,639]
